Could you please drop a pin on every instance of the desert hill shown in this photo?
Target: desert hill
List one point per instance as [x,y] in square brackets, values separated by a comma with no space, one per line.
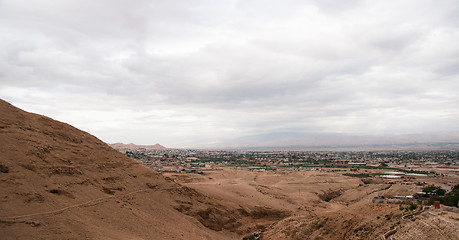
[130,147]
[58,182]
[433,224]
[324,204]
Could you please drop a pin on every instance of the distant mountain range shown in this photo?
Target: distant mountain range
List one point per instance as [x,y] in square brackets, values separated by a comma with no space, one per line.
[132,146]
[319,142]
[336,142]
[367,147]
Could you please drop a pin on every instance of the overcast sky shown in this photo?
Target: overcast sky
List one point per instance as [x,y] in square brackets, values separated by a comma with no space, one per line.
[205,73]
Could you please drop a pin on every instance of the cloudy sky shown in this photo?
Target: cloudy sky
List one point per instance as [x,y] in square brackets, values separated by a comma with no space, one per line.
[208,73]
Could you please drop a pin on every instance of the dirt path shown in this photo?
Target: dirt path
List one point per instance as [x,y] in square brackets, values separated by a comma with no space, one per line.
[393,231]
[15,219]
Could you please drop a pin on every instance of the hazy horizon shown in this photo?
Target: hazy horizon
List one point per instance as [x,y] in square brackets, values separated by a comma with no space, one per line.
[237,73]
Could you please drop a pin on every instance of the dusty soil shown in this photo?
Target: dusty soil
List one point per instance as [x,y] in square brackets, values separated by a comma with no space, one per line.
[431,224]
[57,182]
[320,204]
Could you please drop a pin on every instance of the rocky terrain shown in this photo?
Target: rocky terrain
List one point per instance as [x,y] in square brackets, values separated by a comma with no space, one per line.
[431,224]
[57,182]
[319,204]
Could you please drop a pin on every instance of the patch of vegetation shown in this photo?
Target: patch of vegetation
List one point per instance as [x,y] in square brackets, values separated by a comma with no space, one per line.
[413,171]
[365,167]
[213,159]
[432,189]
[394,226]
[412,206]
[408,206]
[438,194]
[359,175]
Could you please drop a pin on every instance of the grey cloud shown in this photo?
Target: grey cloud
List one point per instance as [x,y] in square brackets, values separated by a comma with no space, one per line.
[208,71]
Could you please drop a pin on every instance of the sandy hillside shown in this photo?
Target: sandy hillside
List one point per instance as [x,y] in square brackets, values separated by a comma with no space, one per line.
[57,182]
[431,224]
[316,204]
[288,191]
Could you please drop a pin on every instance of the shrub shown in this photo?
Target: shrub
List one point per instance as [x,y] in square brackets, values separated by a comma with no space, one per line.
[449,199]
[412,206]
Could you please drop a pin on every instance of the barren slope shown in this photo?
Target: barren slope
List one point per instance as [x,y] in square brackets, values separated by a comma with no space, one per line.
[431,224]
[57,182]
[321,205]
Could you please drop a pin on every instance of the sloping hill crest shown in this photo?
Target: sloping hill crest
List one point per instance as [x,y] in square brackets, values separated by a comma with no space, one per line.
[58,182]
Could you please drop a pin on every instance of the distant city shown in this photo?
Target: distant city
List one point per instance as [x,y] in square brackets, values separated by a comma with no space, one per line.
[185,159]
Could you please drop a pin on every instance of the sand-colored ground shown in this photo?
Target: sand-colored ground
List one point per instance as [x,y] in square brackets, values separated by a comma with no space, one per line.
[431,224]
[319,204]
[57,182]
[288,191]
